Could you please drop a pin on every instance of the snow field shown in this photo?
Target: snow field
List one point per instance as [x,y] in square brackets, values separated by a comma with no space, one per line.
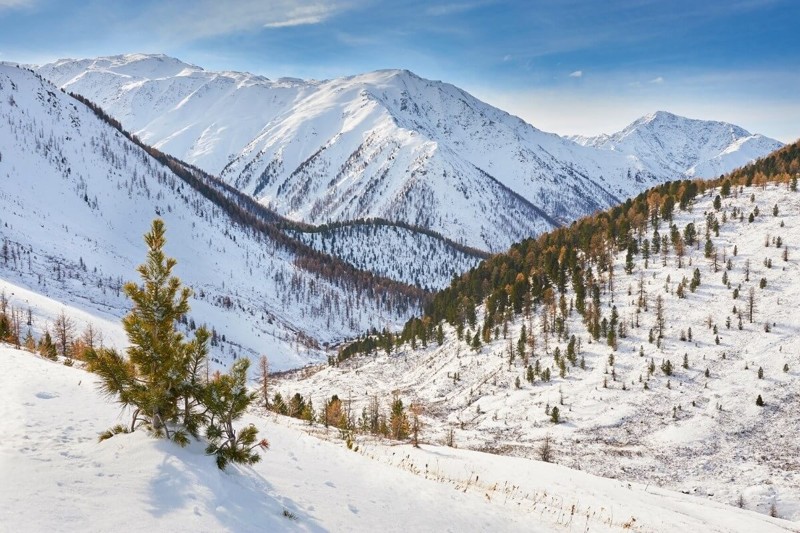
[50,415]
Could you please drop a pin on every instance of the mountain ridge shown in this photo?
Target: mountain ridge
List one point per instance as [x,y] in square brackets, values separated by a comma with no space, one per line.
[709,147]
[413,150]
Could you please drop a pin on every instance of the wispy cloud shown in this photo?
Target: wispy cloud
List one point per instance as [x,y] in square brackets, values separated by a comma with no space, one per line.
[303,15]
[576,74]
[657,80]
[452,8]
[211,18]
[13,4]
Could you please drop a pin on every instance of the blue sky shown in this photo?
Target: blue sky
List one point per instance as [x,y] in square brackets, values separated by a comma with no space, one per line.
[565,66]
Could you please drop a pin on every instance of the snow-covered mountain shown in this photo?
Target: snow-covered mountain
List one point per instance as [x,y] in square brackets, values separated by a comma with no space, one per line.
[77,196]
[392,145]
[694,426]
[386,144]
[671,145]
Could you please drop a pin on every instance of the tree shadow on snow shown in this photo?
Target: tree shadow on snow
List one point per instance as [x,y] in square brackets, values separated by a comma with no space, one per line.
[239,498]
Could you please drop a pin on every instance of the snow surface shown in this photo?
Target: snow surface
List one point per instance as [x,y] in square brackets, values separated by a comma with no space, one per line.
[385,144]
[56,476]
[703,436]
[76,199]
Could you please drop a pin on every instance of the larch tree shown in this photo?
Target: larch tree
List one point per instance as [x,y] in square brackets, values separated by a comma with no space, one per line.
[64,329]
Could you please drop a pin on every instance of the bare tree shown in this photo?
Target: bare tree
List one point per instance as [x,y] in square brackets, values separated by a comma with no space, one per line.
[16,326]
[660,320]
[416,423]
[642,301]
[263,380]
[751,303]
[546,449]
[90,337]
[64,329]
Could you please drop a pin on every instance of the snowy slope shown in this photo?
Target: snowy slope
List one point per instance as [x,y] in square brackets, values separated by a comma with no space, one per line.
[385,144]
[671,145]
[77,197]
[395,252]
[690,432]
[51,415]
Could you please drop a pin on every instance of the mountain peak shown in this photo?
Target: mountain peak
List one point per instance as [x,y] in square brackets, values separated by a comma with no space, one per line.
[659,116]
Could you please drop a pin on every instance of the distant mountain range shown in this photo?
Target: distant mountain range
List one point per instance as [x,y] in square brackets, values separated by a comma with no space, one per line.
[669,144]
[392,145]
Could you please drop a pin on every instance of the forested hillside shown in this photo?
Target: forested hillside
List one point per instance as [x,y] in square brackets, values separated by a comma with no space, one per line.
[393,250]
[654,342]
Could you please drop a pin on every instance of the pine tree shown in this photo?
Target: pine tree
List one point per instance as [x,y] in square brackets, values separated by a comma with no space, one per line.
[555,415]
[398,421]
[759,401]
[153,376]
[227,399]
[46,346]
[161,378]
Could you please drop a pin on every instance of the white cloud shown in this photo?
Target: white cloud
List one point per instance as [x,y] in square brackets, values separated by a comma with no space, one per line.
[576,74]
[507,58]
[659,79]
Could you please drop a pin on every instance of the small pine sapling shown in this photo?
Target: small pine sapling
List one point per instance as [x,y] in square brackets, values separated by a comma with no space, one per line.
[227,399]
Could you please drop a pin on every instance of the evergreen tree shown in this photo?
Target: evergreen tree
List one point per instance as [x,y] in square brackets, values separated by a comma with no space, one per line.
[152,379]
[227,399]
[278,405]
[398,421]
[160,380]
[47,348]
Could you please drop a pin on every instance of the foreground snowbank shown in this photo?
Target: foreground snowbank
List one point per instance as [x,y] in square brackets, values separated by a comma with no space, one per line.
[57,476]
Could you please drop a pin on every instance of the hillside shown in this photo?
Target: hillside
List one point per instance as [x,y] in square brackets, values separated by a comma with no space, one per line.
[671,145]
[691,425]
[52,414]
[393,251]
[78,195]
[386,144]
